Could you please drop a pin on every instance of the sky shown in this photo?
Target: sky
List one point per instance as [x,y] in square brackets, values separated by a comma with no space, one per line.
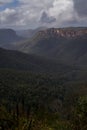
[25,14]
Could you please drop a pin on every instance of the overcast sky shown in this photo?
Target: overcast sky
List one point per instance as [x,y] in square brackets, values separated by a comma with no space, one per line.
[36,13]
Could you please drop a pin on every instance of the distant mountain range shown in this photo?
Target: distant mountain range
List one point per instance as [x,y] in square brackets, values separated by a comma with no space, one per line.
[43,73]
[68,45]
[59,54]
[20,61]
[29,32]
[64,45]
[8,37]
[16,60]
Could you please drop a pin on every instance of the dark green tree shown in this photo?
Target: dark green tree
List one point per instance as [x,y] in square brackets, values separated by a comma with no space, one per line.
[80,114]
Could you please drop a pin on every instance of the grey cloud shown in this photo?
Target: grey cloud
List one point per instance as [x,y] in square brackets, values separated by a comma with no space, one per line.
[3,2]
[8,16]
[11,19]
[44,13]
[47,19]
[81,7]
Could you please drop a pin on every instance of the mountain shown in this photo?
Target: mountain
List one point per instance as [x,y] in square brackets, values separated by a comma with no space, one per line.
[58,51]
[30,32]
[8,36]
[20,61]
[46,87]
[68,45]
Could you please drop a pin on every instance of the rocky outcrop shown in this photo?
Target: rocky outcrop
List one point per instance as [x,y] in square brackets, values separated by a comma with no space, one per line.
[66,32]
[8,36]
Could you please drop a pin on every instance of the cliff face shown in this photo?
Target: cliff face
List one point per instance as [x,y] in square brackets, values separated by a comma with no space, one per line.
[8,34]
[67,33]
[8,37]
[68,45]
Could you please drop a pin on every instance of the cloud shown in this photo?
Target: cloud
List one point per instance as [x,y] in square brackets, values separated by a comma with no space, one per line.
[50,13]
[81,7]
[8,16]
[47,19]
[27,14]
[62,10]
[3,2]
[18,17]
[34,13]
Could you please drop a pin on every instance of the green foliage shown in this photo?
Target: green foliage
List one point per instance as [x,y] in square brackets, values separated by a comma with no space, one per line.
[80,116]
[31,101]
[38,121]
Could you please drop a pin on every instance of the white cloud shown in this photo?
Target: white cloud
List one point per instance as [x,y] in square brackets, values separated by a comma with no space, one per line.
[6,14]
[29,13]
[62,10]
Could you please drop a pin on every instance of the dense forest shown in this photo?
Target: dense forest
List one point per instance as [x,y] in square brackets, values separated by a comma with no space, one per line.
[32,101]
[43,80]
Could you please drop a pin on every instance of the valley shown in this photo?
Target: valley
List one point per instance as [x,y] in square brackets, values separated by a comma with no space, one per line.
[43,79]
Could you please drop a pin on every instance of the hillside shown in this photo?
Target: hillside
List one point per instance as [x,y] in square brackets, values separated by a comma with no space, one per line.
[45,88]
[7,37]
[10,59]
[68,45]
[28,33]
[21,61]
